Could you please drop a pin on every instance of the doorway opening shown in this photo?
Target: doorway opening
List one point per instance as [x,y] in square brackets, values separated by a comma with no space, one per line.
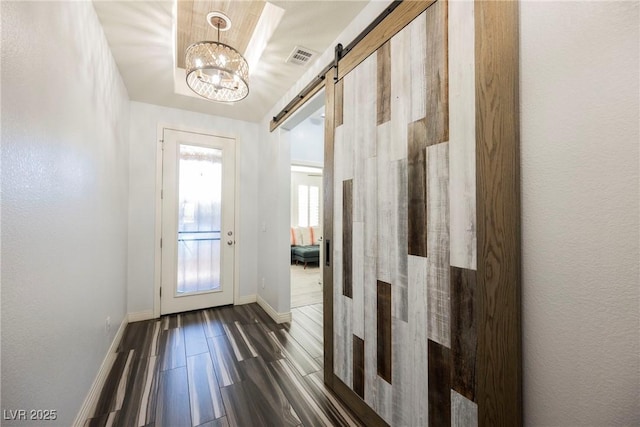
[307,160]
[305,136]
[306,235]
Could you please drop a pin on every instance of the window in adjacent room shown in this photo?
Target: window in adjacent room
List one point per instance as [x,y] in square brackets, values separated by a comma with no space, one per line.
[308,206]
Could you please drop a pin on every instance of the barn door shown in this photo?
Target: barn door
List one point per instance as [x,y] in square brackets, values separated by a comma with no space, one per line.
[406,297]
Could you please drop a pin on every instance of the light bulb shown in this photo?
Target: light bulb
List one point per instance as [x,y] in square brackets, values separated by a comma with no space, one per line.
[223,60]
[216,79]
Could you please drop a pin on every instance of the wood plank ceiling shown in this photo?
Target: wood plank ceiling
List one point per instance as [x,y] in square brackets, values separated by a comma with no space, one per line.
[193,26]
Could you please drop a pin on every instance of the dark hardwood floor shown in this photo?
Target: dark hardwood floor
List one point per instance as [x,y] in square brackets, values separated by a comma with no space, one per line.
[228,366]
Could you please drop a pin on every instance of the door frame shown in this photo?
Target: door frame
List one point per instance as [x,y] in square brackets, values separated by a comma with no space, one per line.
[157,270]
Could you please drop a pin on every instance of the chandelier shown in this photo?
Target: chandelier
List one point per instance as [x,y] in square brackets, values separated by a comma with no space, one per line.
[217,71]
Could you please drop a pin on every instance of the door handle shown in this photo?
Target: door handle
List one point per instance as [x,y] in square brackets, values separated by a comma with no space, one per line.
[327,253]
[229,242]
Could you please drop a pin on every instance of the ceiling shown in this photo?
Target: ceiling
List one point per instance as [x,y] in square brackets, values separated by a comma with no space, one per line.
[145,38]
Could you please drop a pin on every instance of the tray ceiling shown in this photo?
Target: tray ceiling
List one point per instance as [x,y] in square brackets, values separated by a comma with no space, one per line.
[148,39]
[193,26]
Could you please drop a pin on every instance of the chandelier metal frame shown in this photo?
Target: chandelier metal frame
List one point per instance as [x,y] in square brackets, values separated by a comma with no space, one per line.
[214,70]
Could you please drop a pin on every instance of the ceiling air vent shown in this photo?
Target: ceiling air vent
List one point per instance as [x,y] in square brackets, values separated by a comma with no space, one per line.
[301,56]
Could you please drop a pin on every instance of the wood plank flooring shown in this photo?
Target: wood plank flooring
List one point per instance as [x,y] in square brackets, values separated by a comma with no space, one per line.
[228,366]
[306,285]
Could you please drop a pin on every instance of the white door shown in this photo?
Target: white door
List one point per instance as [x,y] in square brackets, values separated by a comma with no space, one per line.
[198,235]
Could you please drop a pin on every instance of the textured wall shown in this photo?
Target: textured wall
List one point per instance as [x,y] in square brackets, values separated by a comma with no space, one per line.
[143,136]
[274,201]
[404,223]
[307,142]
[64,204]
[580,233]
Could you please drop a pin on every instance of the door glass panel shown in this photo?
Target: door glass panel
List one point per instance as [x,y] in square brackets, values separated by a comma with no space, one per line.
[199,219]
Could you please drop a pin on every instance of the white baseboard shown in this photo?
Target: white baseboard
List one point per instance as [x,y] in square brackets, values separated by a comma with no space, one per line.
[277,317]
[245,299]
[139,316]
[89,404]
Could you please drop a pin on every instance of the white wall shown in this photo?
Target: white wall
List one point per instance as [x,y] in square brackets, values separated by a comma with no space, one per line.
[64,204]
[579,112]
[359,23]
[275,202]
[142,194]
[307,143]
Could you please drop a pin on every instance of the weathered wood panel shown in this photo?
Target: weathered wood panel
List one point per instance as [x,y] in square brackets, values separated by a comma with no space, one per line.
[417,188]
[363,127]
[338,104]
[348,137]
[384,396]
[347,238]
[358,366]
[371,208]
[439,385]
[383,100]
[370,333]
[462,135]
[384,331]
[417,341]
[400,295]
[437,76]
[464,413]
[343,340]
[417,68]
[438,243]
[400,93]
[370,279]
[463,332]
[403,374]
[357,279]
[385,208]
